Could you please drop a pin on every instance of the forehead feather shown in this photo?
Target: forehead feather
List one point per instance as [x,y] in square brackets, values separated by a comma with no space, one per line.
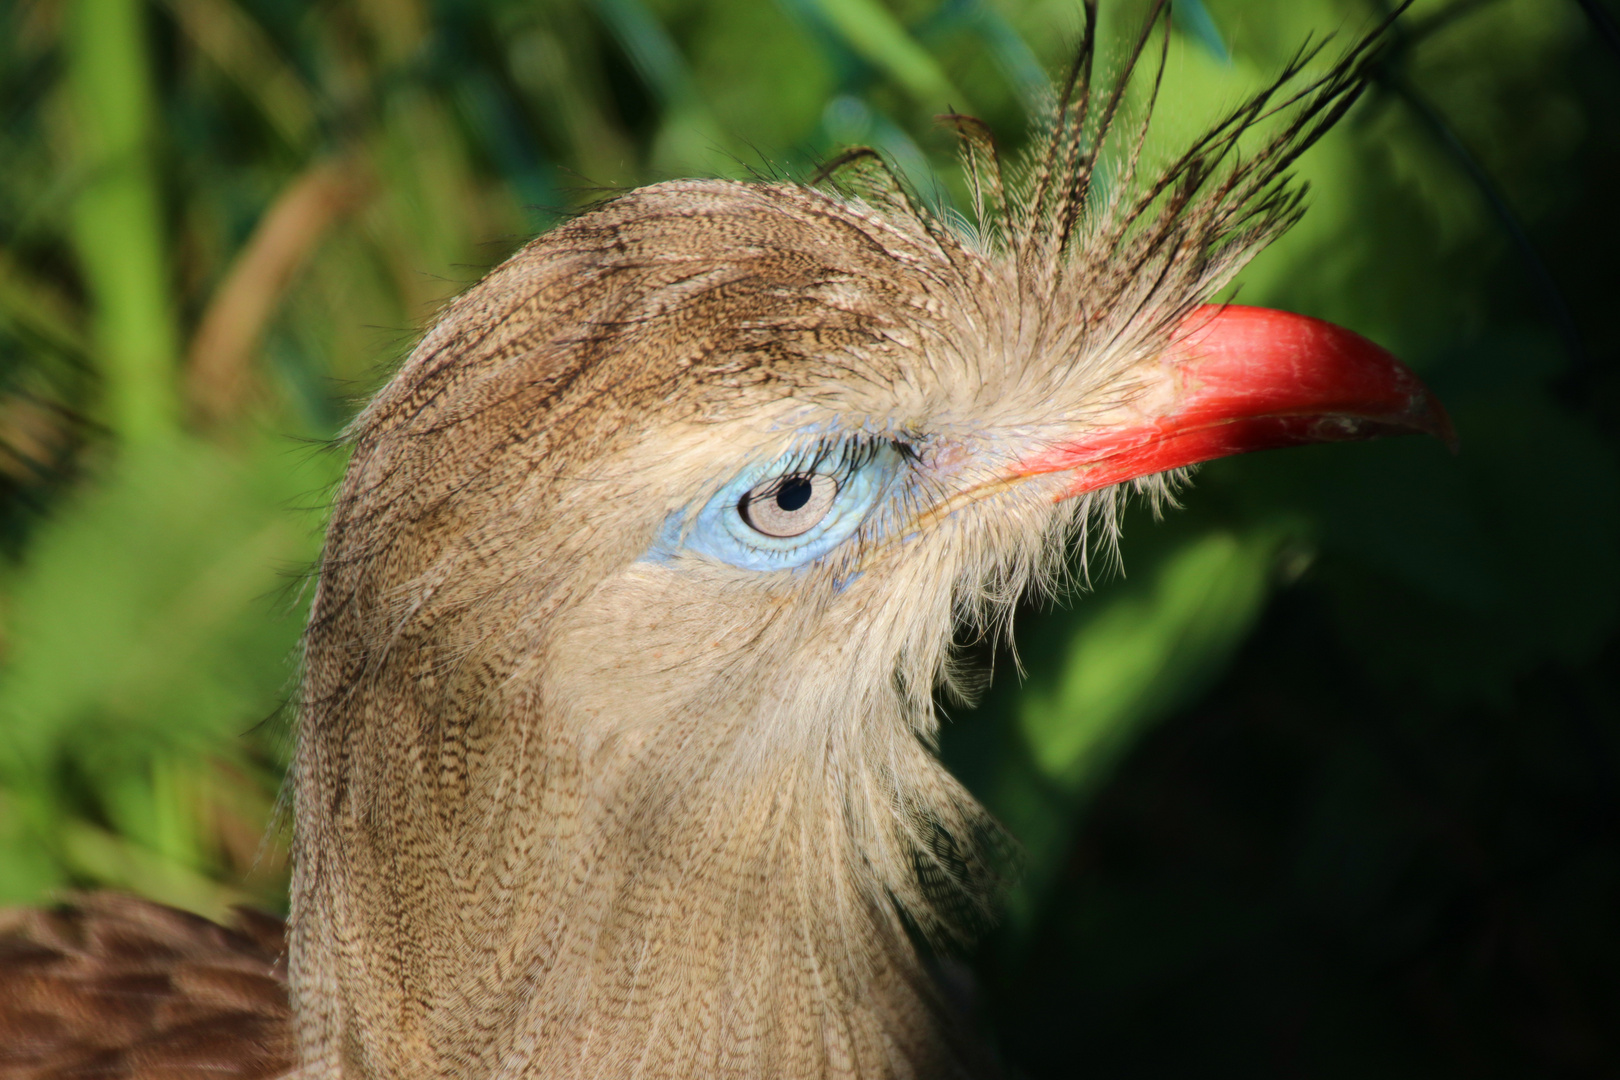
[676,302]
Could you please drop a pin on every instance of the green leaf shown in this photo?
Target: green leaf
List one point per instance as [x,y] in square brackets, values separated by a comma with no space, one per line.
[1195,21]
[118,221]
[1136,651]
[873,33]
[148,634]
[1145,651]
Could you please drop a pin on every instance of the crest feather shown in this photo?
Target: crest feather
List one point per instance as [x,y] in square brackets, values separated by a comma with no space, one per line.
[1134,247]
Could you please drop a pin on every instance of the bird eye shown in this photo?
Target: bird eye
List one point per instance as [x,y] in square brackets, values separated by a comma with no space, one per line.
[773,515]
[785,506]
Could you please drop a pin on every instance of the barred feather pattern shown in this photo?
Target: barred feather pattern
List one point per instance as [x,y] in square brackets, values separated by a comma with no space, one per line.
[117,988]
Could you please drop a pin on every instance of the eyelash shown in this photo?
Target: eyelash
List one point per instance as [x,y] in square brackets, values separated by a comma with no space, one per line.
[851,454]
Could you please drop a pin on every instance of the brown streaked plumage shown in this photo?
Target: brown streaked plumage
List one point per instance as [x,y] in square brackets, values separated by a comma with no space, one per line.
[113,986]
[585,790]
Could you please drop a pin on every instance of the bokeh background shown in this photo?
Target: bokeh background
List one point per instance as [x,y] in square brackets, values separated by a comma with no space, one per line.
[1324,783]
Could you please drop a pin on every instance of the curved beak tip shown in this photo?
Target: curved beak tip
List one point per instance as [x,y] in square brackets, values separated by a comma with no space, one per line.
[1243,379]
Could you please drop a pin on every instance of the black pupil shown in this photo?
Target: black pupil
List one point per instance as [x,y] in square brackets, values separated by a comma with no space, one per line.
[793,493]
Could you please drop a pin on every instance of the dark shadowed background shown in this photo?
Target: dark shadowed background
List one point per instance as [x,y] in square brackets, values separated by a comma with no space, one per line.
[1325,783]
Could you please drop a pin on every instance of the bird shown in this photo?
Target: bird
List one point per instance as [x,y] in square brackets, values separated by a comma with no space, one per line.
[615,749]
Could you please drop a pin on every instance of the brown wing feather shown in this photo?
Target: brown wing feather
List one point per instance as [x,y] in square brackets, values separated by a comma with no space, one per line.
[115,987]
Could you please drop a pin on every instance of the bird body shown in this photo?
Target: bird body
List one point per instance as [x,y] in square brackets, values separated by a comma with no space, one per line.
[615,751]
[115,986]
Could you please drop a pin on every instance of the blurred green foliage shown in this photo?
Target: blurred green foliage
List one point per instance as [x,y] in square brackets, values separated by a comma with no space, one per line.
[1326,783]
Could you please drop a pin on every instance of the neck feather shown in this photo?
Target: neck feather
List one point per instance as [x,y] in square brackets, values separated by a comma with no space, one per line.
[531,891]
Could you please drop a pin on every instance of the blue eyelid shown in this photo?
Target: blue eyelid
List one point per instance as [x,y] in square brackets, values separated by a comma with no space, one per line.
[864,472]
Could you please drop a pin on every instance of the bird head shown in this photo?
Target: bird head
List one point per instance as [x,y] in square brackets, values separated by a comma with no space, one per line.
[648,563]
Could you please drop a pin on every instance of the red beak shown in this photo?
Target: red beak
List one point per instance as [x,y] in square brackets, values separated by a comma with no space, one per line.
[1245,378]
